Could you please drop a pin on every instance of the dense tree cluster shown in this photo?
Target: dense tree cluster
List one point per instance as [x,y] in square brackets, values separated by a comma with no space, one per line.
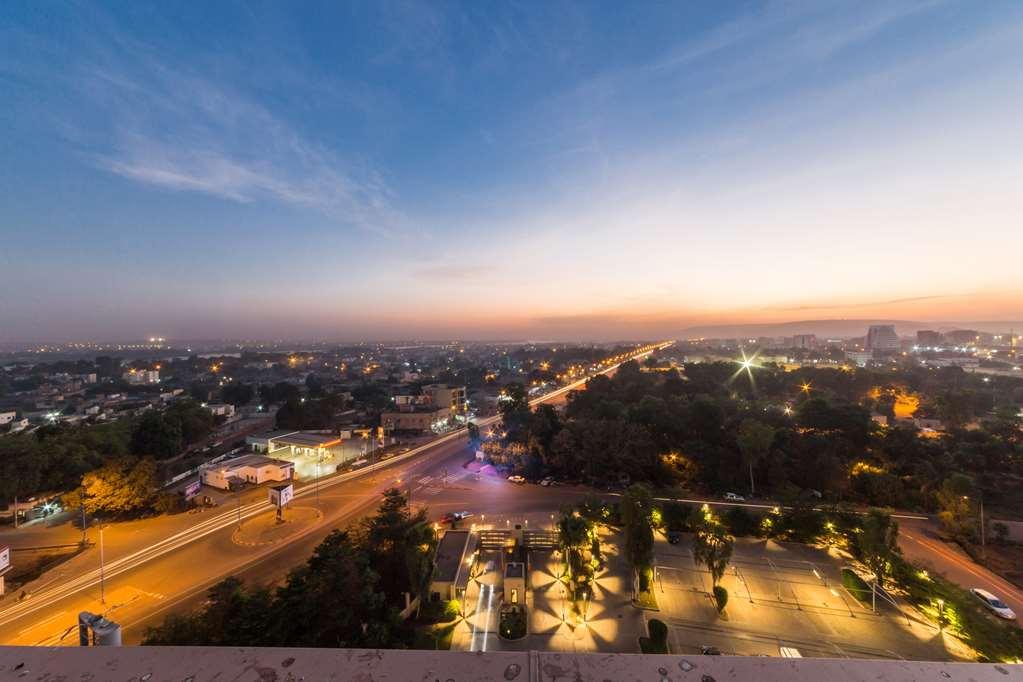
[789,434]
[348,594]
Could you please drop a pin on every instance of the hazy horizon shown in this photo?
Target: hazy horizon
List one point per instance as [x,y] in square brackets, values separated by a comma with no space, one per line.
[490,171]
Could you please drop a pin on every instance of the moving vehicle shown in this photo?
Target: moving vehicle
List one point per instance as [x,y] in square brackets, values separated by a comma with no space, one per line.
[734,497]
[519,480]
[451,517]
[547,482]
[996,605]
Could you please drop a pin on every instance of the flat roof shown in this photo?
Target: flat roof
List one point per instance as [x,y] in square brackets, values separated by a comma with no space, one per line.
[252,461]
[514,570]
[449,555]
[307,440]
[272,434]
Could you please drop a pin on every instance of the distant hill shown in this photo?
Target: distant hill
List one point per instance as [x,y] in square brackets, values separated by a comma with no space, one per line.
[837,329]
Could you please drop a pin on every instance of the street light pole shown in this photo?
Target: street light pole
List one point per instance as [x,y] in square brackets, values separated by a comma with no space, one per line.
[102,577]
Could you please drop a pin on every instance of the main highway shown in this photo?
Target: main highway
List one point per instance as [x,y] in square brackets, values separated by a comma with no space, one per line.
[138,585]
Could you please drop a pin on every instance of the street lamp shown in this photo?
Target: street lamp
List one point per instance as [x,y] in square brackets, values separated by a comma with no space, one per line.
[102,581]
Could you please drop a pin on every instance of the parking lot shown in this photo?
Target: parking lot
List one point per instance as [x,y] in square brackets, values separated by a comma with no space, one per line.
[784,594]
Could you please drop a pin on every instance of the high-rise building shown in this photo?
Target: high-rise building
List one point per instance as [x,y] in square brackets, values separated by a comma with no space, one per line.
[926,338]
[882,338]
[804,341]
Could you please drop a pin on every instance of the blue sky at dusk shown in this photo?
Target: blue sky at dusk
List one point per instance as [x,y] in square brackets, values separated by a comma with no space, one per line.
[505,170]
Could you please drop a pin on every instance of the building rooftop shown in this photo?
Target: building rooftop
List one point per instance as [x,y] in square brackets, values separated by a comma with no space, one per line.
[247,664]
[514,570]
[307,440]
[251,461]
[449,555]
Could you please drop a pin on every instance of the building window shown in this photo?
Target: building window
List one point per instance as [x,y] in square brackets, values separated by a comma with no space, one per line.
[515,596]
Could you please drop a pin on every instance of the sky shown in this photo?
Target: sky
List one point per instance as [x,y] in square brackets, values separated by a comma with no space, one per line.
[503,170]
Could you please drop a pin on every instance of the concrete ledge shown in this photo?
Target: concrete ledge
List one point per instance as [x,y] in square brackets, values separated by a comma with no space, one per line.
[198,664]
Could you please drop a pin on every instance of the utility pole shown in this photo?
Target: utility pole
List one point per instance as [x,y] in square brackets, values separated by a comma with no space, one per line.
[85,537]
[983,544]
[15,512]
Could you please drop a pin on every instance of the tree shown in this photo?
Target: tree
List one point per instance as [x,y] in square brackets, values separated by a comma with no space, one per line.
[515,413]
[878,543]
[121,486]
[237,394]
[754,440]
[156,436]
[712,547]
[955,498]
[636,508]
[400,544]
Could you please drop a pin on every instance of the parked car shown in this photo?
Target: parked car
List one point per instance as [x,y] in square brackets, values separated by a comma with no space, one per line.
[548,482]
[789,652]
[516,479]
[996,605]
[674,537]
[734,497]
[708,650]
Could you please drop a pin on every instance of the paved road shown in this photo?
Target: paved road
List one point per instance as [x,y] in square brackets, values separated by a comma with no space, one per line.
[920,543]
[143,579]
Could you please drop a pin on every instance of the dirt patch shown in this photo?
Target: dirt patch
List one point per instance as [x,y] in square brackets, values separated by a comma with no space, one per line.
[30,564]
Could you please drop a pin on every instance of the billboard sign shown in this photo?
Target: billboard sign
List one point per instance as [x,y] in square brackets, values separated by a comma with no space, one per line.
[192,489]
[5,559]
[282,494]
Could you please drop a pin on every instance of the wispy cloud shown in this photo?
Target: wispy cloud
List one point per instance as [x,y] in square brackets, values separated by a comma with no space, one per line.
[175,128]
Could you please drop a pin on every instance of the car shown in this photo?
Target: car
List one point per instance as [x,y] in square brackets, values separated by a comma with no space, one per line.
[996,605]
[674,537]
[519,480]
[734,497]
[547,482]
[451,517]
[708,650]
[789,652]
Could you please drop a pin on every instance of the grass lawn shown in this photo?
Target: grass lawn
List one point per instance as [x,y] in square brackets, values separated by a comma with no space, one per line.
[647,599]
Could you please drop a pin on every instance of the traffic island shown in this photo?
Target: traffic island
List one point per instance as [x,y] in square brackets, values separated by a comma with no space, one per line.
[265,529]
[513,622]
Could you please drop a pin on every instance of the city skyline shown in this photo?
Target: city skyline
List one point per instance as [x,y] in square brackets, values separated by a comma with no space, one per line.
[486,171]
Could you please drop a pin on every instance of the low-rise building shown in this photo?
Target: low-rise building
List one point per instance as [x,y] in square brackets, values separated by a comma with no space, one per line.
[221,409]
[254,469]
[443,395]
[453,565]
[142,376]
[417,420]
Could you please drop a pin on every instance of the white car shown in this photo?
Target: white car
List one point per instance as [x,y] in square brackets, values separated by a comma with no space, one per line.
[516,479]
[734,497]
[547,482]
[997,606]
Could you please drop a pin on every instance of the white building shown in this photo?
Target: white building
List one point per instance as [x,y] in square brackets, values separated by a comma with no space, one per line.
[253,469]
[882,337]
[221,409]
[142,376]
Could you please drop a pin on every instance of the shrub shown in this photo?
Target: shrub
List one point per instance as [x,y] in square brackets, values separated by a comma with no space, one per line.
[513,622]
[657,642]
[658,630]
[720,597]
[740,522]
